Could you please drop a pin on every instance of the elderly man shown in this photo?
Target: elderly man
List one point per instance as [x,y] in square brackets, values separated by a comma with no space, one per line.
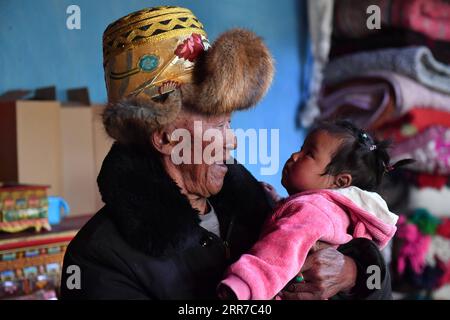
[168,230]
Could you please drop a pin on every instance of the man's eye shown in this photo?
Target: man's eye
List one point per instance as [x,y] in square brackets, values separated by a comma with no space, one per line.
[225,123]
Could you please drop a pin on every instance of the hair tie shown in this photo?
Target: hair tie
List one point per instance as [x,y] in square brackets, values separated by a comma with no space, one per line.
[364,135]
[373,147]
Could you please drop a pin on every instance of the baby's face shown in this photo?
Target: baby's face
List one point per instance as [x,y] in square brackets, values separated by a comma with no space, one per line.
[303,171]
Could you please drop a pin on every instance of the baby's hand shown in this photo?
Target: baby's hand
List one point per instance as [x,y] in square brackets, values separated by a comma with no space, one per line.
[271,192]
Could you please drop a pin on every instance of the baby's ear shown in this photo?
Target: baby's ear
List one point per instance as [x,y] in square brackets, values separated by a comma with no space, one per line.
[343,180]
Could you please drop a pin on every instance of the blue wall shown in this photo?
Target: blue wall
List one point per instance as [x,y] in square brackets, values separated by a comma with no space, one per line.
[38,50]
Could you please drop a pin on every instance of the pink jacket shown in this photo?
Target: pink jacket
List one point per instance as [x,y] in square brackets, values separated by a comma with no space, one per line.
[300,221]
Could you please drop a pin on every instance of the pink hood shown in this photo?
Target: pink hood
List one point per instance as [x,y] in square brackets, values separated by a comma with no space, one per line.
[368,212]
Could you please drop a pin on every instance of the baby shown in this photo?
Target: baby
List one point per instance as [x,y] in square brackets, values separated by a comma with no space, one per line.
[330,182]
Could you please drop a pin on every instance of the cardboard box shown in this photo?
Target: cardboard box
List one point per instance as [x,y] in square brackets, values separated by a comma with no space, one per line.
[78,168]
[30,146]
[63,146]
[84,146]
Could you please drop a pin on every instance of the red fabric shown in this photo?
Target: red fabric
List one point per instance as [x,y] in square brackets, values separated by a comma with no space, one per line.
[420,118]
[426,180]
[30,243]
[430,17]
[444,228]
[445,279]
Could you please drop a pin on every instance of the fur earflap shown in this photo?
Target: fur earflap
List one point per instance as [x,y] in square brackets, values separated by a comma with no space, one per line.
[131,121]
[234,74]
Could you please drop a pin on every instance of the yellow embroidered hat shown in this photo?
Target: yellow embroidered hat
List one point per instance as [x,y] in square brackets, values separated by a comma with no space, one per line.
[158,60]
[152,50]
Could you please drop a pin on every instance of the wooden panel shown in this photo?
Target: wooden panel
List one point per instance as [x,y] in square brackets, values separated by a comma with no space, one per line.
[8,142]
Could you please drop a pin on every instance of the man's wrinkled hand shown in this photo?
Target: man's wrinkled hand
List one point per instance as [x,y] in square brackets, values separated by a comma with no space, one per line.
[326,272]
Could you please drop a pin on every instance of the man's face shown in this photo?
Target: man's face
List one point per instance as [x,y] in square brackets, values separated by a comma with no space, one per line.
[204,174]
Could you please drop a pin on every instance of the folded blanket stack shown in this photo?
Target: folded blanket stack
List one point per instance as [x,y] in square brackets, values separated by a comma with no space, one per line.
[395,82]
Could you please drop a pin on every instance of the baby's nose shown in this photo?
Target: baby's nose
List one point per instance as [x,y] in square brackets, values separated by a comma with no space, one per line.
[295,156]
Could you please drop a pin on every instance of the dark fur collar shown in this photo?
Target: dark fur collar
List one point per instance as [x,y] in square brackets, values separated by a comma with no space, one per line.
[153,216]
[146,205]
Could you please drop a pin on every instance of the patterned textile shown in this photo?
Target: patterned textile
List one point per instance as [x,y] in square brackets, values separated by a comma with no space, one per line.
[415,62]
[430,149]
[416,121]
[367,103]
[430,17]
[390,38]
[410,94]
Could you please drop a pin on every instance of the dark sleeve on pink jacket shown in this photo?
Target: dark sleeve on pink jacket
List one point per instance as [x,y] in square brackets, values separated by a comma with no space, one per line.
[366,254]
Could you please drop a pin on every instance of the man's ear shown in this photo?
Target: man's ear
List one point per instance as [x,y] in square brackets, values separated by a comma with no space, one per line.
[343,180]
[161,141]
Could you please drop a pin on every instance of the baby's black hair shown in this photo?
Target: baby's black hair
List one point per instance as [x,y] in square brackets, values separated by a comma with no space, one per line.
[366,159]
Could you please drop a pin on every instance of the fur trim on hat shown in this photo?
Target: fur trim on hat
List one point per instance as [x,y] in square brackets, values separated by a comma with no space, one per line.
[131,121]
[234,74]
